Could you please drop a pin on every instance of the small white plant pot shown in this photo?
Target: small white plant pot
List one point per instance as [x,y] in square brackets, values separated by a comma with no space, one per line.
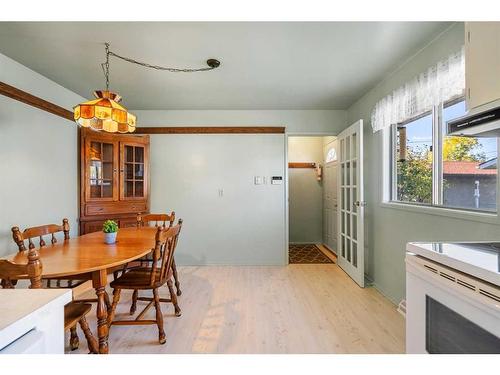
[110,238]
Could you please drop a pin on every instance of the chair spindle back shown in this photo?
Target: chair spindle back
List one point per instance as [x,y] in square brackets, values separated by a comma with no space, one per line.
[163,253]
[43,230]
[158,219]
[31,270]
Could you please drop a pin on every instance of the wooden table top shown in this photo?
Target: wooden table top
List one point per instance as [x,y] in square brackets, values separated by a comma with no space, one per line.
[90,253]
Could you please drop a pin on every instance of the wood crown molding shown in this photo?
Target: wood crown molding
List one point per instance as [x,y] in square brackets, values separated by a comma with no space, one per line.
[35,101]
[211,130]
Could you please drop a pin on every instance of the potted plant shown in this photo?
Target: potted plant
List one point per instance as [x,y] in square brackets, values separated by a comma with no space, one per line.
[110,228]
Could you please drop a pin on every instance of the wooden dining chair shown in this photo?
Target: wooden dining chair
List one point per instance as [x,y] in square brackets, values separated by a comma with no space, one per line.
[74,313]
[29,234]
[150,278]
[159,220]
[44,230]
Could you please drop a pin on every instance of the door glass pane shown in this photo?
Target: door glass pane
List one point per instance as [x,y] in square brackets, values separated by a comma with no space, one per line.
[354,200]
[348,148]
[342,216]
[348,224]
[101,172]
[348,250]
[348,173]
[342,150]
[354,146]
[95,189]
[107,189]
[107,170]
[342,175]
[129,188]
[469,167]
[354,254]
[414,161]
[348,199]
[129,154]
[354,233]
[354,171]
[342,245]
[107,149]
[139,154]
[139,171]
[139,189]
[129,171]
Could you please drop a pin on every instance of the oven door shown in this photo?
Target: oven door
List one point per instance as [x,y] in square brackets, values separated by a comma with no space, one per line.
[448,312]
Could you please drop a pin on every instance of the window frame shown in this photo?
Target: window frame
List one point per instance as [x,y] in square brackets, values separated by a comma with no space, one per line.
[437,166]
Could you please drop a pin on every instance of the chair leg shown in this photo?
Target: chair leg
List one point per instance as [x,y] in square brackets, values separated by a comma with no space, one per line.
[159,318]
[173,297]
[74,342]
[133,307]
[116,299]
[176,278]
[91,340]
[106,300]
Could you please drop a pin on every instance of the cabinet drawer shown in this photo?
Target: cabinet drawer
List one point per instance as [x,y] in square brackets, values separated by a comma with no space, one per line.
[96,225]
[114,208]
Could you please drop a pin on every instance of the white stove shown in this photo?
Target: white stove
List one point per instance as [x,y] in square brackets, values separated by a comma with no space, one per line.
[453,297]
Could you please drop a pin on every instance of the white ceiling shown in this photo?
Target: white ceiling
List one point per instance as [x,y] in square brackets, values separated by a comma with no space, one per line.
[279,65]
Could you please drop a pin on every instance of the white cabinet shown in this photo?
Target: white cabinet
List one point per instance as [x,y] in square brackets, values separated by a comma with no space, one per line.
[482,63]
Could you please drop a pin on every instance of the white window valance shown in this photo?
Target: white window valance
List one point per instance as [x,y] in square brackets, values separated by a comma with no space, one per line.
[440,83]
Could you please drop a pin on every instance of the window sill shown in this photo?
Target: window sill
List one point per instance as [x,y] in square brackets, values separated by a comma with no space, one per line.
[489,218]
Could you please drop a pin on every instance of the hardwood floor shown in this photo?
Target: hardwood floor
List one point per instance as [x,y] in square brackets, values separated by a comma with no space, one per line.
[299,308]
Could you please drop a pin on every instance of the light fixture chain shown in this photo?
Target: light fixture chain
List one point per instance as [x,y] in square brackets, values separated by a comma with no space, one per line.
[107,66]
[157,67]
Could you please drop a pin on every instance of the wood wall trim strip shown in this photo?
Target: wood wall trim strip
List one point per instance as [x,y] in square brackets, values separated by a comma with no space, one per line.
[301,165]
[34,101]
[211,130]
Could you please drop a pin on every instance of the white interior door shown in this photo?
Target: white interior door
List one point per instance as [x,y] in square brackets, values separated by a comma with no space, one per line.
[330,196]
[351,197]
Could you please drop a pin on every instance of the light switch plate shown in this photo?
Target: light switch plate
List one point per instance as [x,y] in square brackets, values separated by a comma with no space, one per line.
[258,180]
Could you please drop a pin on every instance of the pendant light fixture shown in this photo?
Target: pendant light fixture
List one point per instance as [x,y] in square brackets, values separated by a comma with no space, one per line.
[104,113]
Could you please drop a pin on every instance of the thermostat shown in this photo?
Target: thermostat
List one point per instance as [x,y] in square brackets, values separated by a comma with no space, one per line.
[276,180]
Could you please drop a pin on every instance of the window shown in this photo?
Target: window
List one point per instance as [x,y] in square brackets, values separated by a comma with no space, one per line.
[414,161]
[432,168]
[331,155]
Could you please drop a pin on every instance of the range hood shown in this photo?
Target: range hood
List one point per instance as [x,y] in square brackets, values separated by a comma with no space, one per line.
[482,121]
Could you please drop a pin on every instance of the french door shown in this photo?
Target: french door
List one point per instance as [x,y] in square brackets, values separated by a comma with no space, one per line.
[351,196]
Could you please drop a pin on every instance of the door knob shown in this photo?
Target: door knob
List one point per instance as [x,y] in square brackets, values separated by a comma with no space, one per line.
[360,203]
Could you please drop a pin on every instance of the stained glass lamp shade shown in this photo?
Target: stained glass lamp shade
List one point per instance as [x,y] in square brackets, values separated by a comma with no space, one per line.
[104,113]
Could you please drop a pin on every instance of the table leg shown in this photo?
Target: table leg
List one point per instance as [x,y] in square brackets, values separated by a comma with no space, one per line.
[99,281]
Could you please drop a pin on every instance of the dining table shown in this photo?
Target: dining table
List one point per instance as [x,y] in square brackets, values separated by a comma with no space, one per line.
[88,257]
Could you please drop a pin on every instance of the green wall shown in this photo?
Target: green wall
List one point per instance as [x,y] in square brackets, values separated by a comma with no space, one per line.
[389,229]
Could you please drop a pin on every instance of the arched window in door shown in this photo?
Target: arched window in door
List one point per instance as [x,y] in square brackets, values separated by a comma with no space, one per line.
[331,155]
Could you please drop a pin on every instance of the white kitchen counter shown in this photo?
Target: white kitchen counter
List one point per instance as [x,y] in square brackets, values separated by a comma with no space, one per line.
[478,259]
[32,320]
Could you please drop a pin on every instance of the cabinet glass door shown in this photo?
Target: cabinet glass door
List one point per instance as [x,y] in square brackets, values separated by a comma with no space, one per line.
[101,169]
[133,171]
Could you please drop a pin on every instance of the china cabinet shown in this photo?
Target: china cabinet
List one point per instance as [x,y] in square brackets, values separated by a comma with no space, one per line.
[114,179]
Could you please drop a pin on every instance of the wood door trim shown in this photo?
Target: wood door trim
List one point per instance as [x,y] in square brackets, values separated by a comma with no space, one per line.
[211,130]
[34,101]
[301,165]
